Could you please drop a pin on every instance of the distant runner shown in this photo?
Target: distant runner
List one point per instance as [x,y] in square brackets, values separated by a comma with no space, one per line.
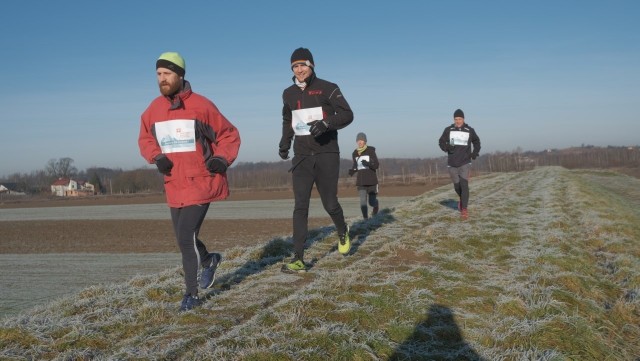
[365,163]
[457,140]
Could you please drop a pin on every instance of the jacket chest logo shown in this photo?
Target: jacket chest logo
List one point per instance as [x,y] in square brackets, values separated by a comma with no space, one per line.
[314,92]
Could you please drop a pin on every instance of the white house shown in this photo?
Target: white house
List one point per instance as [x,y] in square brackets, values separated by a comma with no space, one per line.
[10,188]
[67,187]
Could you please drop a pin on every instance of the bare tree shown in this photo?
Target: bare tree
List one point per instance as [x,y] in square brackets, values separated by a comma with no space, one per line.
[61,168]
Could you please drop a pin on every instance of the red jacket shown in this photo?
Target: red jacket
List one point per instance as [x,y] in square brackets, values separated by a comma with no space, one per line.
[189,130]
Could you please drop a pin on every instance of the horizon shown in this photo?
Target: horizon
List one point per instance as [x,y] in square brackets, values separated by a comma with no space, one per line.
[560,76]
[235,164]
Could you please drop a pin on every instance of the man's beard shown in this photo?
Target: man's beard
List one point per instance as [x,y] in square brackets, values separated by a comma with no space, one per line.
[167,89]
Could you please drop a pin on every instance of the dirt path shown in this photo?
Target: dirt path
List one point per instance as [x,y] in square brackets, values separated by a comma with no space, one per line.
[147,235]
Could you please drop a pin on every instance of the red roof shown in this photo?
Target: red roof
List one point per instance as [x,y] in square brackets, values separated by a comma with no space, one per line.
[61,182]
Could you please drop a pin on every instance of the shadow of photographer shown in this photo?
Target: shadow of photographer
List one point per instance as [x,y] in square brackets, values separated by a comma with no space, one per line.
[437,337]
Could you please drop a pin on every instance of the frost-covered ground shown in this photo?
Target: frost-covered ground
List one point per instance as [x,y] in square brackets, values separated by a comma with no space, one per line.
[546,268]
[27,280]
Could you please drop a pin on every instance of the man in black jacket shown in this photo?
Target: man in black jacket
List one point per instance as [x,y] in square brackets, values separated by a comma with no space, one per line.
[457,140]
[313,112]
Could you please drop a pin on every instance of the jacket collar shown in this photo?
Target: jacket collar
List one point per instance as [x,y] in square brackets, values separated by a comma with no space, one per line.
[309,80]
[177,101]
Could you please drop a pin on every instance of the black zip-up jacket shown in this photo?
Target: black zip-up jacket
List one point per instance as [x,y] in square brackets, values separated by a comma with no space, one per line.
[366,176]
[460,154]
[335,110]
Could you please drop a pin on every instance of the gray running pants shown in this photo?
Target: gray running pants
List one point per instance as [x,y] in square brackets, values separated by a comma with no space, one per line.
[460,178]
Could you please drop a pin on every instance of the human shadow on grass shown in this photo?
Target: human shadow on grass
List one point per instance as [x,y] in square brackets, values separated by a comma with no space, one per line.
[358,231]
[450,203]
[274,252]
[361,229]
[279,249]
[437,337]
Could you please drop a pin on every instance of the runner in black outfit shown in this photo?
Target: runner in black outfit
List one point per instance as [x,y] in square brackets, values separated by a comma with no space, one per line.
[313,112]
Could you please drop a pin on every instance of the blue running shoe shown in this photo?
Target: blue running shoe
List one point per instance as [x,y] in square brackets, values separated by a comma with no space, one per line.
[190,302]
[208,274]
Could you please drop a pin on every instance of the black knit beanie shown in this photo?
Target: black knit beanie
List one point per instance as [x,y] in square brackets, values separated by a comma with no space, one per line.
[302,55]
[458,113]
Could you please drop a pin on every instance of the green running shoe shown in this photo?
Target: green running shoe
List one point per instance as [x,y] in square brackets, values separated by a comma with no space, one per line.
[295,266]
[344,245]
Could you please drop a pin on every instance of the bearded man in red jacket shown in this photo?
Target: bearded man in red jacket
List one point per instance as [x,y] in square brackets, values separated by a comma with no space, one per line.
[192,144]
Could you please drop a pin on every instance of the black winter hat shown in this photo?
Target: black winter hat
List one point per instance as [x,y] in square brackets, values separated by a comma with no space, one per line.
[458,113]
[302,55]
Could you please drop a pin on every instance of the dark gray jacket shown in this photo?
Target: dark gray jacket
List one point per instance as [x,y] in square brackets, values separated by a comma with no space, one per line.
[459,155]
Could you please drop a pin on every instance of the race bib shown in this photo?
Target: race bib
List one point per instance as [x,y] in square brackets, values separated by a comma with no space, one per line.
[359,161]
[459,138]
[301,117]
[175,136]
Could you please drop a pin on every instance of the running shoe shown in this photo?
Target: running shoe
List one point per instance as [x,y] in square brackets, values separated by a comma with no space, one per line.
[344,245]
[190,302]
[295,266]
[208,274]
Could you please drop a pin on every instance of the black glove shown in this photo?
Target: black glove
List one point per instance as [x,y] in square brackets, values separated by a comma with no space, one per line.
[474,155]
[216,165]
[164,164]
[352,172]
[365,163]
[284,154]
[450,147]
[318,127]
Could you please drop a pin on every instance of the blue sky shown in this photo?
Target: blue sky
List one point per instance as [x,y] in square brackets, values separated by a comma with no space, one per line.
[535,75]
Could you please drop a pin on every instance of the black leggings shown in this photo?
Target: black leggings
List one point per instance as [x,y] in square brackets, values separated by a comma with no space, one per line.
[186,225]
[322,170]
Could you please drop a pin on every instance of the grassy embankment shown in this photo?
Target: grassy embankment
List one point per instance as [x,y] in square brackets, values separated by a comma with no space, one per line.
[546,268]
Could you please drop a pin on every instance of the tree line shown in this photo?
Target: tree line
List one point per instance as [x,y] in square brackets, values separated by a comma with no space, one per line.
[275,175]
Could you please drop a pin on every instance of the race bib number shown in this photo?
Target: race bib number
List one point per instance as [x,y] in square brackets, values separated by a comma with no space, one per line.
[359,161]
[459,138]
[175,136]
[301,117]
